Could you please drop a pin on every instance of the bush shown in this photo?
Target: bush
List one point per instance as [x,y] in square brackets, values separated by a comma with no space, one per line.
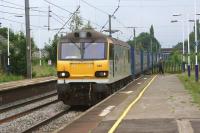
[44,70]
[9,77]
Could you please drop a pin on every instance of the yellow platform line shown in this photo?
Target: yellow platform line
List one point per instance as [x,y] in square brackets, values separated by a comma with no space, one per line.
[114,127]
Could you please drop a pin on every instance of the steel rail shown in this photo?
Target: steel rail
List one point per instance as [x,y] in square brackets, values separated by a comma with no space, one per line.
[21,114]
[44,122]
[5,108]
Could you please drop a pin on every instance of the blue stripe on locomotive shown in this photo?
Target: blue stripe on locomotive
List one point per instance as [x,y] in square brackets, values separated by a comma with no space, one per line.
[137,56]
[148,60]
[133,62]
[145,61]
[142,61]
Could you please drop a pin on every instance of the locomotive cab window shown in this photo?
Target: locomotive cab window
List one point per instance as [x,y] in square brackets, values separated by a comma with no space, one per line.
[83,51]
[94,51]
[70,51]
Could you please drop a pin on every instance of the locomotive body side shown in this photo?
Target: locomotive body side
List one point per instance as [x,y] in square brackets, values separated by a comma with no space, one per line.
[119,61]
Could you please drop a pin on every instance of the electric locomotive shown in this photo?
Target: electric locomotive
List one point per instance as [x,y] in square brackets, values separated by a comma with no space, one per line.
[90,66]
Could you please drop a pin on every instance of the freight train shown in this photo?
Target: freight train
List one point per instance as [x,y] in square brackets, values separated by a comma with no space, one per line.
[91,66]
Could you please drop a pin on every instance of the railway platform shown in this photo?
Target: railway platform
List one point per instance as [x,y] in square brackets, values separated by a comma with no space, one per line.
[15,91]
[149,105]
[25,82]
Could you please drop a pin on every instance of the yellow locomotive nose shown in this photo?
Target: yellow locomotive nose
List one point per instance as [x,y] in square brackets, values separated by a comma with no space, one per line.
[87,69]
[78,69]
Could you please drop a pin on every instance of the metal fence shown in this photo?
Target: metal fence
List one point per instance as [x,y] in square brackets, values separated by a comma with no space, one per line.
[174,68]
[169,67]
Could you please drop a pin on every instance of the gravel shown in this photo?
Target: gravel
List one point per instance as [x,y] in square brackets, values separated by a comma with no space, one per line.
[63,120]
[22,123]
[26,107]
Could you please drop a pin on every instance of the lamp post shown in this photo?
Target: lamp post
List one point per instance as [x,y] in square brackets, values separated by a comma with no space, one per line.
[183,41]
[189,63]
[8,48]
[196,57]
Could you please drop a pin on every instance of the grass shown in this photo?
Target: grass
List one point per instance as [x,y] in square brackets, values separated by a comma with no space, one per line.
[38,71]
[192,86]
[43,71]
[9,77]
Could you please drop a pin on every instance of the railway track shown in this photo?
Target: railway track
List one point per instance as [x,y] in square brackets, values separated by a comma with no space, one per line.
[30,107]
[54,117]
[15,116]
[27,101]
[21,103]
[37,125]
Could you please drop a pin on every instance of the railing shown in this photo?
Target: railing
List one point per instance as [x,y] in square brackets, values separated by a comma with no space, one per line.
[169,67]
[172,67]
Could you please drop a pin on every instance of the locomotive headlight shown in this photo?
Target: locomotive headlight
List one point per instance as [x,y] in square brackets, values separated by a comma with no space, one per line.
[102,74]
[63,74]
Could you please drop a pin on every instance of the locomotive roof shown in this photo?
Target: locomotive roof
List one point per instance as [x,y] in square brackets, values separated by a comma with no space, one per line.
[94,36]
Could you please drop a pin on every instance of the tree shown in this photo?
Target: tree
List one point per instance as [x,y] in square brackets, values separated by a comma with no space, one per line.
[76,22]
[52,49]
[18,58]
[144,42]
[17,51]
[145,39]
[152,31]
[155,43]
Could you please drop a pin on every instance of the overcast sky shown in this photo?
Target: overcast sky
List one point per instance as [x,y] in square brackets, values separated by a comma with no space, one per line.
[137,13]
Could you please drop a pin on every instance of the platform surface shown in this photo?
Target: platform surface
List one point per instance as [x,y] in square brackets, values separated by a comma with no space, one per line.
[90,119]
[25,82]
[165,107]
